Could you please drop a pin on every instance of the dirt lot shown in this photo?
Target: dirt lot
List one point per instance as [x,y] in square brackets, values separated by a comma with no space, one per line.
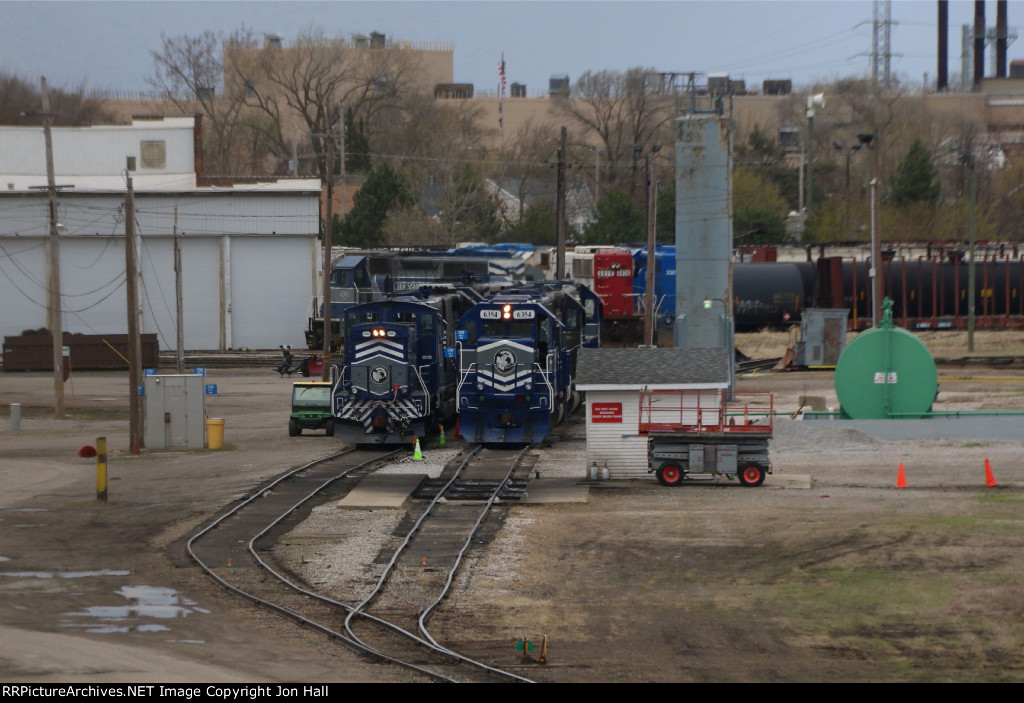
[850,579]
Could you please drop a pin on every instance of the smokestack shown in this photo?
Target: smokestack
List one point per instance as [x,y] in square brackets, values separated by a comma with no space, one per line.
[1001,39]
[942,84]
[979,42]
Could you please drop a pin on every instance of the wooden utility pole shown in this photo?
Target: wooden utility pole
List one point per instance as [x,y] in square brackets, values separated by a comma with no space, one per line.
[328,240]
[131,277]
[55,321]
[651,258]
[178,299]
[560,210]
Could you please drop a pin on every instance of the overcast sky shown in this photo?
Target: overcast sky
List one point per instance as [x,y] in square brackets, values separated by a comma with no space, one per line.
[106,45]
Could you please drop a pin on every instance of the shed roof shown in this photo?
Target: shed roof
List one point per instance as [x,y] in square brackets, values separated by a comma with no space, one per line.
[669,368]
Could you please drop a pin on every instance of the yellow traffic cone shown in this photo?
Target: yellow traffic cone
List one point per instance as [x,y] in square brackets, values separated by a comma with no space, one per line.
[417,455]
[441,442]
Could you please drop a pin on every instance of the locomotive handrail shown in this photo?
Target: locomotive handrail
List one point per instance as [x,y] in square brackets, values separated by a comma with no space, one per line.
[423,385]
[463,374]
[545,374]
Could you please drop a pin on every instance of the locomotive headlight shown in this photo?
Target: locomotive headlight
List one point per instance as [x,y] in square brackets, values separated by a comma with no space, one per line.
[506,312]
[479,386]
[529,386]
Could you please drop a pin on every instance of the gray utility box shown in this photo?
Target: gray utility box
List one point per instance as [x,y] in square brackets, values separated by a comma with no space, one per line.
[175,411]
[823,336]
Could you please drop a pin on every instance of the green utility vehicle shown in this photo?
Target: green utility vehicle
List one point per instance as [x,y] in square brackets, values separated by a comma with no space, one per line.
[311,408]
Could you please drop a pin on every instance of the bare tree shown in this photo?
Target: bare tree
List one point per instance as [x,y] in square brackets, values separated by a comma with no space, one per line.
[20,101]
[531,158]
[621,111]
[188,72]
[307,87]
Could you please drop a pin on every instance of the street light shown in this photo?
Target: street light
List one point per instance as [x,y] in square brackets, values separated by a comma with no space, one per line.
[855,147]
[875,272]
[968,159]
[813,101]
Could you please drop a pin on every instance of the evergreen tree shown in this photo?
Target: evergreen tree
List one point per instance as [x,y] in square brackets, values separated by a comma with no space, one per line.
[537,226]
[619,219]
[665,224]
[384,189]
[916,178]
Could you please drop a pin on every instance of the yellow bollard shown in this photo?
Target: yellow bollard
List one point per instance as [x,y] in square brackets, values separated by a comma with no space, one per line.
[101,469]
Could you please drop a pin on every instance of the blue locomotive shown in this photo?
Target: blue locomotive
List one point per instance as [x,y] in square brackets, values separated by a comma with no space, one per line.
[397,382]
[517,360]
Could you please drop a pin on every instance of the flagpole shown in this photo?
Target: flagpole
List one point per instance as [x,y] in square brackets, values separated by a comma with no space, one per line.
[501,99]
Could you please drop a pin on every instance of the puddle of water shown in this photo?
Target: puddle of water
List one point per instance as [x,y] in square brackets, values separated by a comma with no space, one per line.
[61,574]
[114,629]
[5,558]
[146,602]
[26,510]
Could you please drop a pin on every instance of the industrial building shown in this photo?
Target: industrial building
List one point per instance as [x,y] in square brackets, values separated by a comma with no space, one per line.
[249,248]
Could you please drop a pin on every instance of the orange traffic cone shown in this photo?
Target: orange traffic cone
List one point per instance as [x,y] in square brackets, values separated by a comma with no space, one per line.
[901,480]
[458,435]
[990,480]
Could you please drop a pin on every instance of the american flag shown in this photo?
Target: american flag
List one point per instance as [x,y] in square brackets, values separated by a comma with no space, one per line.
[501,74]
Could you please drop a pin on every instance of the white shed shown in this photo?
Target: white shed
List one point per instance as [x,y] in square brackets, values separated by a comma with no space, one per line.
[613,379]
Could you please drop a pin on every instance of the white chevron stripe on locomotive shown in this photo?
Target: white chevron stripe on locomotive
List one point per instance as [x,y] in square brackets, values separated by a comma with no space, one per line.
[503,383]
[391,350]
[484,348]
[360,410]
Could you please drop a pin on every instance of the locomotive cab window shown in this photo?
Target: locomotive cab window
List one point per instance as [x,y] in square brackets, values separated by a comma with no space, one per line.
[497,328]
[356,318]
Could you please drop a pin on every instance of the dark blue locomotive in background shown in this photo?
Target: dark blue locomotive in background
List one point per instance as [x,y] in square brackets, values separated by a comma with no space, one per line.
[368,276]
[397,382]
[517,360]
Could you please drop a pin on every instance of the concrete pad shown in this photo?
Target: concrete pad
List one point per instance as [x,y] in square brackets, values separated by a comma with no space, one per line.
[788,481]
[382,491]
[555,490]
[1007,427]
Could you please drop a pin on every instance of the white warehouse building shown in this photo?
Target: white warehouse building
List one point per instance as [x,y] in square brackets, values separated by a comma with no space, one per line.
[250,252]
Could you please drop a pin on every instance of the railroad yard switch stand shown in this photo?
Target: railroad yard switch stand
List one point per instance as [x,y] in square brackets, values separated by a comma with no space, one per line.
[526,646]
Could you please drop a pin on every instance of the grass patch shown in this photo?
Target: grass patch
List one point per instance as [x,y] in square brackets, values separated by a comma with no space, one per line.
[1011,498]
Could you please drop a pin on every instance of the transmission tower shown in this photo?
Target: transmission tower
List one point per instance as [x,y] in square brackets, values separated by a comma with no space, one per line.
[881,48]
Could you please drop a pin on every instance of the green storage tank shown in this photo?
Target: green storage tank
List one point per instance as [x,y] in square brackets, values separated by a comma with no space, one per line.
[886,373]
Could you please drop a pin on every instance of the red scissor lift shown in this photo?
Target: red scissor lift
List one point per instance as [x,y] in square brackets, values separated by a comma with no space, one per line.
[701,435]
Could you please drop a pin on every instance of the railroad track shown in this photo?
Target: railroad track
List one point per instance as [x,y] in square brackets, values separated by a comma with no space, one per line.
[390,623]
